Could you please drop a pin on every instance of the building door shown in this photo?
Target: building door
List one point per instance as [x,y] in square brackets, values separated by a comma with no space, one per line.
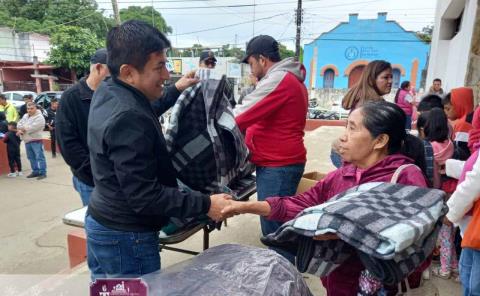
[396,78]
[355,75]
[328,78]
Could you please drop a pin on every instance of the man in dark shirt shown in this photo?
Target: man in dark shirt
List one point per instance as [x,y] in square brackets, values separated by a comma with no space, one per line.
[71,124]
[136,187]
[23,109]
[50,122]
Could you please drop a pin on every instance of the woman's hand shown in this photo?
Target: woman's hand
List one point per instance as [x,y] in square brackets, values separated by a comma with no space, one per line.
[261,208]
[326,236]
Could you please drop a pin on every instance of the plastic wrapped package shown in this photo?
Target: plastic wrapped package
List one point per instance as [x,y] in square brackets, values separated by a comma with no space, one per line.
[230,270]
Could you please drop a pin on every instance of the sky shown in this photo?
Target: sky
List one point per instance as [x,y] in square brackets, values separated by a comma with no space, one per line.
[199,21]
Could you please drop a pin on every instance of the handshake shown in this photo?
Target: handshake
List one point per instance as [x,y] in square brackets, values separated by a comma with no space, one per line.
[222,206]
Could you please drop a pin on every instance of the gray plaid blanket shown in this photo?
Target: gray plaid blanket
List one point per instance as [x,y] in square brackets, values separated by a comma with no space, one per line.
[391,227]
[207,148]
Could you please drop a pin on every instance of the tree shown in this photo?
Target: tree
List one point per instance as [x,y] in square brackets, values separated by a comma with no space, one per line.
[232,51]
[45,16]
[71,47]
[426,34]
[285,52]
[147,14]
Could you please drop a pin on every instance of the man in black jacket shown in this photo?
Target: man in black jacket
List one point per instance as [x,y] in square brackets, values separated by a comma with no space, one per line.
[50,122]
[71,124]
[135,182]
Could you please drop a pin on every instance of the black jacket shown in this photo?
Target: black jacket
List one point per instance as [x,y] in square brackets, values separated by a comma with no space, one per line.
[51,116]
[23,110]
[71,129]
[135,182]
[13,142]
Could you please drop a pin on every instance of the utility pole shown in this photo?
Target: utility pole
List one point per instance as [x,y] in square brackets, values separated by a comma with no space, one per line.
[115,12]
[299,13]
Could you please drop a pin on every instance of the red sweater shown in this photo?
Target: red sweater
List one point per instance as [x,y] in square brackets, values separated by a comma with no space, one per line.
[274,116]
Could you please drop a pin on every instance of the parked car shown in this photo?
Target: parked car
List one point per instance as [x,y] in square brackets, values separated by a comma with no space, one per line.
[43,99]
[16,97]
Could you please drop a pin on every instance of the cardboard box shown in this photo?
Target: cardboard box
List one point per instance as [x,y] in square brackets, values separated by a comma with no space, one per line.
[309,180]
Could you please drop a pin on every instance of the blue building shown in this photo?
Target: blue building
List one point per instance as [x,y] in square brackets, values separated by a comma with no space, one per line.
[336,58]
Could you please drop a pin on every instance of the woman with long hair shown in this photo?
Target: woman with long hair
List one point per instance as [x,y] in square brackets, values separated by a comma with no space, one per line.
[375,82]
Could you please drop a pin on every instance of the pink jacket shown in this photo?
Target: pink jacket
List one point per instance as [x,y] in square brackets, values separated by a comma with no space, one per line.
[403,103]
[441,152]
[344,279]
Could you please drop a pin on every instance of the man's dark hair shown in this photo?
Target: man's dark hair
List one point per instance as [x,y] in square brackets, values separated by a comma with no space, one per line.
[53,100]
[429,102]
[12,123]
[437,79]
[132,43]
[30,97]
[274,56]
[447,100]
[3,97]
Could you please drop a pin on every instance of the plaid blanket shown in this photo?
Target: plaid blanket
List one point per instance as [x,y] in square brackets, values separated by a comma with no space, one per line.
[391,227]
[207,148]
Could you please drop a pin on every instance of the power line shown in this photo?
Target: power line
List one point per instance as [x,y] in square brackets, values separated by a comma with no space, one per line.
[228,26]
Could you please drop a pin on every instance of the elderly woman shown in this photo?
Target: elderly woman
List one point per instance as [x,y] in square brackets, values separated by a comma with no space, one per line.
[374,145]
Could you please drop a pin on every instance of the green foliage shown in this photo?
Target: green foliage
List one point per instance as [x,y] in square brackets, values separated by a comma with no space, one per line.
[285,52]
[71,47]
[426,34]
[147,14]
[233,52]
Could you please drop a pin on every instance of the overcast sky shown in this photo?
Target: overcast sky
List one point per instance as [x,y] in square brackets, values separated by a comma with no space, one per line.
[272,17]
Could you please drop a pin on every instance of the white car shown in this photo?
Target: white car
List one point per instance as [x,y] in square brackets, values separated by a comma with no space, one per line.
[16,97]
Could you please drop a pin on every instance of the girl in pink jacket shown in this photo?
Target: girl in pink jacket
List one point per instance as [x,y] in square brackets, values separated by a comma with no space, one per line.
[433,127]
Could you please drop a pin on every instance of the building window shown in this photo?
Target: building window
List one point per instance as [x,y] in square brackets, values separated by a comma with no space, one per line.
[328,78]
[452,19]
[396,78]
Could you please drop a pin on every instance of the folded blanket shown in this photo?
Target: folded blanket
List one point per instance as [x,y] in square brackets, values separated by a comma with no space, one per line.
[385,224]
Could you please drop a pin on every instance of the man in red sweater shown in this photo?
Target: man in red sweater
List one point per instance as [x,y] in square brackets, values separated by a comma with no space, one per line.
[273,117]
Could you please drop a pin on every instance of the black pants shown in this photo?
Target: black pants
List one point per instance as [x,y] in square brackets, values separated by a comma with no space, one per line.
[14,159]
[53,143]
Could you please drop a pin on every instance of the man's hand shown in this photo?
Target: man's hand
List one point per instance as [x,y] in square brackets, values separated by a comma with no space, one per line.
[217,203]
[186,81]
[233,209]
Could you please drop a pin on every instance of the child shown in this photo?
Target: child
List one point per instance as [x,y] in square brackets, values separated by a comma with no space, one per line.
[433,127]
[13,150]
[458,104]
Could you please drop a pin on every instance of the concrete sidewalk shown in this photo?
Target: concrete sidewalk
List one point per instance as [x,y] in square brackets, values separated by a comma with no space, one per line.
[33,237]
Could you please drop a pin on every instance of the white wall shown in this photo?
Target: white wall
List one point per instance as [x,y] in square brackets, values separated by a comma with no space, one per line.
[22,47]
[449,58]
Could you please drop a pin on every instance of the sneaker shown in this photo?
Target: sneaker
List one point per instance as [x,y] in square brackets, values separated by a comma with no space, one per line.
[33,175]
[19,174]
[41,177]
[12,175]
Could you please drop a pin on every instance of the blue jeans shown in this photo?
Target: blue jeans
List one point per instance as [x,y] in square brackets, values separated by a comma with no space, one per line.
[408,122]
[83,189]
[277,181]
[470,271]
[336,158]
[114,254]
[36,157]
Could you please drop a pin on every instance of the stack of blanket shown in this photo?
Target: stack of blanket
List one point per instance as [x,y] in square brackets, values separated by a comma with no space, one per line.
[207,148]
[391,227]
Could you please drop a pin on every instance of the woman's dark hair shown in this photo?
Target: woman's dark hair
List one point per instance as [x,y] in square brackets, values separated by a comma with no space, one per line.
[132,43]
[447,100]
[387,118]
[422,120]
[436,126]
[429,102]
[403,86]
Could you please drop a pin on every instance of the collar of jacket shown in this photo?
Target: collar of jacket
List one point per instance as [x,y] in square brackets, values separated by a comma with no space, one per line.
[386,166]
[86,93]
[138,95]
